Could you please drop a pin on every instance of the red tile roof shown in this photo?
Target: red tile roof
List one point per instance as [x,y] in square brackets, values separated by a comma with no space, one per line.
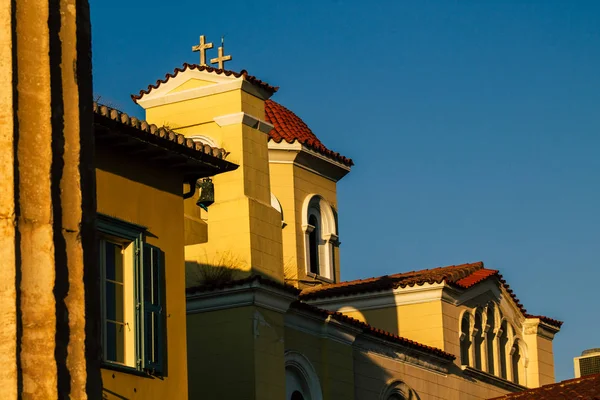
[462,276]
[289,127]
[585,388]
[244,74]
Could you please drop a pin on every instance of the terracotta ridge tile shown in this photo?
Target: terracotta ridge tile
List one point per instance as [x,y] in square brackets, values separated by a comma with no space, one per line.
[243,73]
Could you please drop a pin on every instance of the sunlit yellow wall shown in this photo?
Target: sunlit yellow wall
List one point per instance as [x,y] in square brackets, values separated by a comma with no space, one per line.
[135,191]
[236,354]
[244,231]
[540,368]
[292,184]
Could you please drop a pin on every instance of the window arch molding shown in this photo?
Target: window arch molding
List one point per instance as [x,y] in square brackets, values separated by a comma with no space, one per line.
[296,363]
[320,236]
[396,389]
[204,140]
[465,329]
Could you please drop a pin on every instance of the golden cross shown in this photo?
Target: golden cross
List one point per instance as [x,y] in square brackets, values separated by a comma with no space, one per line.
[221,59]
[202,47]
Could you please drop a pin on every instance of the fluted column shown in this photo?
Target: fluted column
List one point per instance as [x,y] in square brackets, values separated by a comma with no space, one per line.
[47,202]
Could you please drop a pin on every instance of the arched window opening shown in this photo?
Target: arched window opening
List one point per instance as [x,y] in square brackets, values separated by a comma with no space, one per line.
[502,342]
[489,338]
[301,379]
[478,339]
[398,390]
[516,362]
[319,225]
[465,339]
[313,244]
[297,396]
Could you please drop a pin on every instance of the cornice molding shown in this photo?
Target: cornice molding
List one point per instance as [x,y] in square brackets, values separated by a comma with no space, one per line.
[492,379]
[387,298]
[316,325]
[403,354]
[303,157]
[247,294]
[244,118]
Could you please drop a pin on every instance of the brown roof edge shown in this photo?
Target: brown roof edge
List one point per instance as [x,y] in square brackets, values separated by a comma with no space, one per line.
[371,330]
[239,282]
[163,137]
[243,73]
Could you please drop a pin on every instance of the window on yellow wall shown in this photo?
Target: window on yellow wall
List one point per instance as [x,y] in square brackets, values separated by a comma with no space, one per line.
[465,339]
[490,335]
[502,343]
[131,297]
[313,244]
[478,339]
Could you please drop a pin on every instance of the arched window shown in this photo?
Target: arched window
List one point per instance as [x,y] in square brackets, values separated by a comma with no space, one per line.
[319,225]
[313,244]
[489,338]
[465,338]
[515,355]
[398,390]
[502,342]
[301,379]
[478,339]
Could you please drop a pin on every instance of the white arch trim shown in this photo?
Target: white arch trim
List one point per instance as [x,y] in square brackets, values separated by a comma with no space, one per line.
[302,365]
[397,387]
[315,204]
[204,140]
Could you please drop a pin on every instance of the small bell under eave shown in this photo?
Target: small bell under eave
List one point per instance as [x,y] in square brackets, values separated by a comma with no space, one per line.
[207,194]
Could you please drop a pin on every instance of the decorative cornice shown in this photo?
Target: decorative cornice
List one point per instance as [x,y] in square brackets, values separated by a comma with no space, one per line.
[305,158]
[314,325]
[492,379]
[247,294]
[388,298]
[244,118]
[534,326]
[404,354]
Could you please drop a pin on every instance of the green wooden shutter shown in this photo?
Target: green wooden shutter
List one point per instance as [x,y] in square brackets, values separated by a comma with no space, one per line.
[152,322]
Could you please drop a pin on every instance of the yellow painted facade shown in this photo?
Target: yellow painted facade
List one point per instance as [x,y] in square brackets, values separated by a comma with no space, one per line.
[134,191]
[248,337]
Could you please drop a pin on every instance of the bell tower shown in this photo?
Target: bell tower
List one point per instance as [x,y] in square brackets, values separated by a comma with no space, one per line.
[241,231]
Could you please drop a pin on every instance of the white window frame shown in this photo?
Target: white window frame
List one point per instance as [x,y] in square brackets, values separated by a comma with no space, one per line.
[327,239]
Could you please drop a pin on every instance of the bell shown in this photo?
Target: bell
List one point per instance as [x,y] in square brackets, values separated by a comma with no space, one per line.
[207,194]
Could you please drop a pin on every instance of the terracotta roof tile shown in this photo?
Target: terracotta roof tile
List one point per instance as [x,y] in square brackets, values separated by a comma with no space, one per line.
[584,388]
[289,127]
[462,276]
[162,136]
[244,74]
[370,330]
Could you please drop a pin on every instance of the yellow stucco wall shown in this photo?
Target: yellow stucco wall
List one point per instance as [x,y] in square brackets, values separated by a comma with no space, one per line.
[331,360]
[292,184]
[137,192]
[242,227]
[236,354]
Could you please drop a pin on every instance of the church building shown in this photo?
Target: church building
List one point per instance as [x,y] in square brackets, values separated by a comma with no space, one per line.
[267,314]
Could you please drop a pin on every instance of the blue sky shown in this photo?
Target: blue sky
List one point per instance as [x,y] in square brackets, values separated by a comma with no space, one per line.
[474,126]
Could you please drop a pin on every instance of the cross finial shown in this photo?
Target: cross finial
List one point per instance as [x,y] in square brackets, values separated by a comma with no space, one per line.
[221,59]
[202,47]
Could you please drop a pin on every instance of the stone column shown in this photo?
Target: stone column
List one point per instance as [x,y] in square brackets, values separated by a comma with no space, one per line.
[47,202]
